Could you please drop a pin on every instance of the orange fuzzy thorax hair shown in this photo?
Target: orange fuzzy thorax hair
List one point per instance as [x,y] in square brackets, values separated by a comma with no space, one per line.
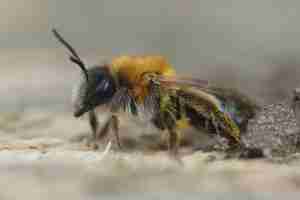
[132,68]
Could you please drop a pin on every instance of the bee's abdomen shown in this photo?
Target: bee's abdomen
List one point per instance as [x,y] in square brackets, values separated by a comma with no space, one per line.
[240,107]
[205,112]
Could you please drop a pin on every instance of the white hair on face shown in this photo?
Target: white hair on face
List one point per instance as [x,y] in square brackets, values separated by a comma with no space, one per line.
[78,92]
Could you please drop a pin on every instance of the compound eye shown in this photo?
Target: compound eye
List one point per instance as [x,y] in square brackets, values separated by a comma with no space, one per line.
[104,91]
[103,86]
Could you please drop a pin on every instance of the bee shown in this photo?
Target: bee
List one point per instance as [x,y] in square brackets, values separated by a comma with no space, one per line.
[148,86]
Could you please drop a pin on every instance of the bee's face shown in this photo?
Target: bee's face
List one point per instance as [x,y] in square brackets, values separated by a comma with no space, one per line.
[99,90]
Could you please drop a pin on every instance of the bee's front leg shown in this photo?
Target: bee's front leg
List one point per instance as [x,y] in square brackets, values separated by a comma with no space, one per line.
[94,123]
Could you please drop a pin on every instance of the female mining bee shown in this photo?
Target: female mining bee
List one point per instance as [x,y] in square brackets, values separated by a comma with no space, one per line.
[148,85]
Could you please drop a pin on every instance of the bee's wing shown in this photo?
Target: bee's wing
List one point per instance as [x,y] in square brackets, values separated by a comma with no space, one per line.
[182,81]
[239,105]
[160,84]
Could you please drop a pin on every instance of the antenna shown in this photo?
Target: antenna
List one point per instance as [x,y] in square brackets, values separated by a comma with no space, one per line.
[74,57]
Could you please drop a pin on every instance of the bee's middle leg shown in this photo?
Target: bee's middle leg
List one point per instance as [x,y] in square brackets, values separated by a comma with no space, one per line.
[112,122]
[115,125]
[104,130]
[96,133]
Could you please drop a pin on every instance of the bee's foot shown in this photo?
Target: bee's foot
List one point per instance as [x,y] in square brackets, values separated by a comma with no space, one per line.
[120,147]
[251,153]
[91,145]
[174,155]
[94,146]
[205,148]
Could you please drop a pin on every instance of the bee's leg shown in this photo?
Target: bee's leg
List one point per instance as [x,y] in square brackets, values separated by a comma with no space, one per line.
[115,125]
[173,145]
[112,122]
[173,142]
[206,124]
[94,124]
[93,120]
[104,130]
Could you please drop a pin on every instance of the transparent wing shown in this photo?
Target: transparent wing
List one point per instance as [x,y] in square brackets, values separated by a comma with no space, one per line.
[239,106]
[158,85]
[182,81]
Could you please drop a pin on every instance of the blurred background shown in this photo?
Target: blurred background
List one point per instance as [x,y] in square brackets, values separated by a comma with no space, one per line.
[252,45]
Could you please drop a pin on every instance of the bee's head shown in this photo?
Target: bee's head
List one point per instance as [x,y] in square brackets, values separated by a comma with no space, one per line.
[96,88]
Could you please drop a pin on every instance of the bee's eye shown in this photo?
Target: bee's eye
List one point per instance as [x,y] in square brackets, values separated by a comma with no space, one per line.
[105,89]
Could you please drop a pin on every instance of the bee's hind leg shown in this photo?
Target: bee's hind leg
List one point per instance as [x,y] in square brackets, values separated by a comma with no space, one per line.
[173,144]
